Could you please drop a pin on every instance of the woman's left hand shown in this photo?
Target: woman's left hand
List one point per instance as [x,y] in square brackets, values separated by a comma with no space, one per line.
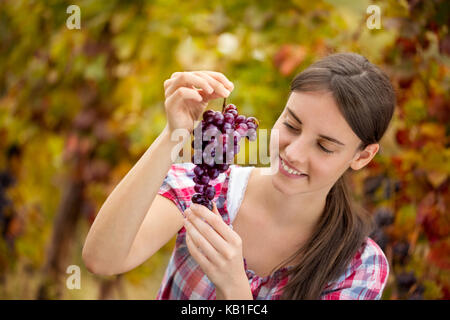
[216,248]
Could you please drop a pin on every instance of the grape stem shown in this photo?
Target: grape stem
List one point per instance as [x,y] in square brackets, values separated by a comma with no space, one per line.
[224,103]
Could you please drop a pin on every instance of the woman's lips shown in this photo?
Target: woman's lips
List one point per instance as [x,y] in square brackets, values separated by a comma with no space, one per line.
[290,175]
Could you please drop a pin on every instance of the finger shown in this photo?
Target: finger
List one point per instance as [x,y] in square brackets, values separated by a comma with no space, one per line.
[209,234]
[197,254]
[219,88]
[214,95]
[214,220]
[167,83]
[201,243]
[184,94]
[174,75]
[188,79]
[221,77]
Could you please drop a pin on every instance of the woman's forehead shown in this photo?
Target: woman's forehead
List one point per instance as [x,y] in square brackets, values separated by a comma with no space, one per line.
[319,111]
[315,106]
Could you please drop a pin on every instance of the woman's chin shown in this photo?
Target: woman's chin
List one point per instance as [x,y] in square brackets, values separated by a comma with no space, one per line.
[281,186]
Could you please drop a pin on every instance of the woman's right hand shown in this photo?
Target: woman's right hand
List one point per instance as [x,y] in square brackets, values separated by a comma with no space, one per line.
[185,103]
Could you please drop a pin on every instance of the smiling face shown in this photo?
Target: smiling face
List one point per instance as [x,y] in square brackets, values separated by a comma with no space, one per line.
[314,139]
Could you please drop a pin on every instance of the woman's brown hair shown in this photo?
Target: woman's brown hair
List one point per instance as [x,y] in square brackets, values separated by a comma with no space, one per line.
[366,99]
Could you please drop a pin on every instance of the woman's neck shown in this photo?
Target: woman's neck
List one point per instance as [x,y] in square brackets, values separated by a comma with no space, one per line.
[293,212]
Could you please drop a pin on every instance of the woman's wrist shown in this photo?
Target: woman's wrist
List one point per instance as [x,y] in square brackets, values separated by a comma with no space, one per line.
[174,139]
[175,136]
[240,291]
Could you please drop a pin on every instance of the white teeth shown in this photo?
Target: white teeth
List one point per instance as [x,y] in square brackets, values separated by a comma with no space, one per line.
[285,167]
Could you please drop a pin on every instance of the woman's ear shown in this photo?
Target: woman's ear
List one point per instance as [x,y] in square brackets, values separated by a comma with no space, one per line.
[362,158]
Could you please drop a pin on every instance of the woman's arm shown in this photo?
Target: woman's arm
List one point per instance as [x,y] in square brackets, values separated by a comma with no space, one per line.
[114,230]
[120,217]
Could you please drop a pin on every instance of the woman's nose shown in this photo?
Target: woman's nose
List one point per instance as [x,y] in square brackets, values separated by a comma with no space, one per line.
[296,151]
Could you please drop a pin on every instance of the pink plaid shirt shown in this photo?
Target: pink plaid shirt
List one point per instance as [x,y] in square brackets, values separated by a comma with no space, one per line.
[364,278]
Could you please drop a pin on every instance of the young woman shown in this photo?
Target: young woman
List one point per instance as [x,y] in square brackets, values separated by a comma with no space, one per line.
[293,234]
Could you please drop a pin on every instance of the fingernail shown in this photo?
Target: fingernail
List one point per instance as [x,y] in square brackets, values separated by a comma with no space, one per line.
[226,92]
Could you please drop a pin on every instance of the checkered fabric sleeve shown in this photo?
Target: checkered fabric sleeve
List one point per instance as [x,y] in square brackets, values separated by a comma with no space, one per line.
[178,185]
[364,279]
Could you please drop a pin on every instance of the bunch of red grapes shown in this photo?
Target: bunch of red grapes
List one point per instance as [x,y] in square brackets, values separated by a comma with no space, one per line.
[216,142]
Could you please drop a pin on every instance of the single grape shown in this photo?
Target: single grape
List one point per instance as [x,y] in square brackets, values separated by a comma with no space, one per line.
[233,112]
[210,192]
[229,118]
[196,179]
[197,198]
[208,116]
[213,173]
[218,119]
[199,171]
[208,113]
[240,119]
[200,188]
[204,179]
[230,107]
[254,120]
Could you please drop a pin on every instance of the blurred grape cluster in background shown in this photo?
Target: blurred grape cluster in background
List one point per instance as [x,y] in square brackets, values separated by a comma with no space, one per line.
[78,107]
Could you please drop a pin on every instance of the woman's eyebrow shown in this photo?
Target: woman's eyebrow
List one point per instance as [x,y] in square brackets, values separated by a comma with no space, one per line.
[320,135]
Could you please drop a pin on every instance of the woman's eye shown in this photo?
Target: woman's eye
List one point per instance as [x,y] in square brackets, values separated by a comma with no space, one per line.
[320,146]
[289,126]
[324,149]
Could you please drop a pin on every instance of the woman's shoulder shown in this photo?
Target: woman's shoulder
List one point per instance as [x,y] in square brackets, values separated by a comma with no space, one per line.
[370,262]
[364,278]
[370,254]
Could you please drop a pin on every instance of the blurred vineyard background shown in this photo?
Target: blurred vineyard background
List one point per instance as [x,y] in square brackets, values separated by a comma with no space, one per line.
[79,107]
